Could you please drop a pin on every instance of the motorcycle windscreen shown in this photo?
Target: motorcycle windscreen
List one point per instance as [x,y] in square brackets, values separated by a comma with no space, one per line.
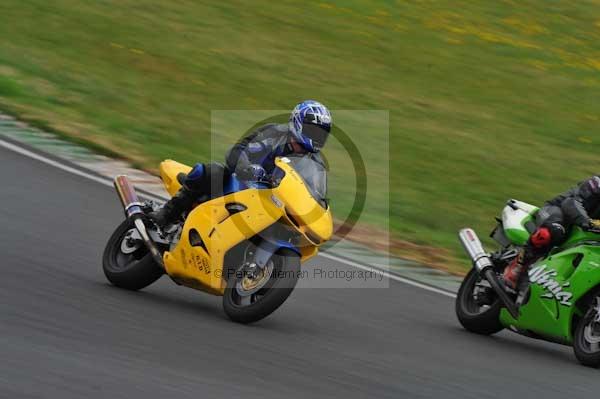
[314,174]
[303,192]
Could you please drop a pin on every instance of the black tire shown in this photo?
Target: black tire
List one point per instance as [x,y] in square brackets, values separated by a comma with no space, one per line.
[268,299]
[584,352]
[484,322]
[132,272]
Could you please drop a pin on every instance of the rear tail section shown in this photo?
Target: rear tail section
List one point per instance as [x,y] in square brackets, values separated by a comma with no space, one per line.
[169,170]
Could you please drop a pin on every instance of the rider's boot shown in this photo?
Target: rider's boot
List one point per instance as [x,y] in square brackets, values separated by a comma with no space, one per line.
[512,273]
[173,208]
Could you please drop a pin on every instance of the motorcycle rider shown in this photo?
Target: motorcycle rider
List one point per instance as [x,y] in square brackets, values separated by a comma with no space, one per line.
[253,157]
[579,206]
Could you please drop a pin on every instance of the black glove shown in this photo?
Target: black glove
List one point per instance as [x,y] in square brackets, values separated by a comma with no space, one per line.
[253,172]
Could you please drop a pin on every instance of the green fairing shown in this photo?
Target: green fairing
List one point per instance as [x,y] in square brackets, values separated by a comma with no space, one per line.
[518,237]
[559,281]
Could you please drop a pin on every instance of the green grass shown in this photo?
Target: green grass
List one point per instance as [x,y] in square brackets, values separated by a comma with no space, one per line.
[487,100]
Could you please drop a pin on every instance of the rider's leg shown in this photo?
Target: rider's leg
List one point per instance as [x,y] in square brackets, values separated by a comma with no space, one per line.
[550,233]
[203,179]
[539,240]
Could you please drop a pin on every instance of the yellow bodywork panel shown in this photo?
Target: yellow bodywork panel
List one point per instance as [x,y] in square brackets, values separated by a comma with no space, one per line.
[201,266]
[210,231]
[303,211]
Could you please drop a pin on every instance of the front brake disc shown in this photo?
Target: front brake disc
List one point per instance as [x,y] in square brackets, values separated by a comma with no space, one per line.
[249,285]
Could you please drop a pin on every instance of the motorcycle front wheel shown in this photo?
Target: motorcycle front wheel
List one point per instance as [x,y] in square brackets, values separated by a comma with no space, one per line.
[477,306]
[586,340]
[253,295]
[126,263]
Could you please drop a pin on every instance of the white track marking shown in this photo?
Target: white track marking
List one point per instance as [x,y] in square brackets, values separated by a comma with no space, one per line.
[48,161]
[108,182]
[391,276]
[104,181]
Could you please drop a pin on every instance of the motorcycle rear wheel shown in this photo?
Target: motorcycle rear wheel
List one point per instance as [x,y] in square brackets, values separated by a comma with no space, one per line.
[484,320]
[254,307]
[132,271]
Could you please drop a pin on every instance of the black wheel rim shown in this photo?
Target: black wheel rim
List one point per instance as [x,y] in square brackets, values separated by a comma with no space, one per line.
[473,301]
[120,261]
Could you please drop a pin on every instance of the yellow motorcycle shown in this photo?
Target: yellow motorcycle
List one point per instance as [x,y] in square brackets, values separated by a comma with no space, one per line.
[246,245]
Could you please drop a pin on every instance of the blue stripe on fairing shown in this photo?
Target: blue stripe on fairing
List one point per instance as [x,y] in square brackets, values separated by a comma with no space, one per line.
[233,185]
[266,249]
[288,245]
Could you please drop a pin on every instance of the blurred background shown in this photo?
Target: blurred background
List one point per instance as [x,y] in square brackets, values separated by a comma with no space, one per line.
[486,100]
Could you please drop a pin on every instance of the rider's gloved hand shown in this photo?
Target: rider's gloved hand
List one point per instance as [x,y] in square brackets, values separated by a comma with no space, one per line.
[593,224]
[253,172]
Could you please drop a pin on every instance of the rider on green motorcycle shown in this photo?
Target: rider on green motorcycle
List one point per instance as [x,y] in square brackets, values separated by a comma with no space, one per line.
[579,206]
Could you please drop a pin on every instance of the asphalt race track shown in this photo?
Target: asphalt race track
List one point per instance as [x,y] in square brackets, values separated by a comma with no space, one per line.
[66,333]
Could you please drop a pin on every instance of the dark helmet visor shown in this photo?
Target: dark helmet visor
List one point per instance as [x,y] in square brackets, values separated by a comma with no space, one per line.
[317,133]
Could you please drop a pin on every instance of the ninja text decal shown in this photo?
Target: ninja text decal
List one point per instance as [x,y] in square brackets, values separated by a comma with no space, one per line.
[545,278]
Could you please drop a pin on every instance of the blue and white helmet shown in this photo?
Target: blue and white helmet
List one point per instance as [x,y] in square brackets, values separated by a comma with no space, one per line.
[310,123]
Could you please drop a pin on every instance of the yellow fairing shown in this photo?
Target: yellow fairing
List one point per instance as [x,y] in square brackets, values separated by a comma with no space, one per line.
[219,231]
[169,170]
[303,212]
[210,231]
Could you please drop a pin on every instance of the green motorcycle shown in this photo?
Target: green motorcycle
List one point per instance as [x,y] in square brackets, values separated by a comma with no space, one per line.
[559,301]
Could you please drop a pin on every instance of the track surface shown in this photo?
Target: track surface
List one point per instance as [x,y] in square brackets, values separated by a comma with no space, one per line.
[66,333]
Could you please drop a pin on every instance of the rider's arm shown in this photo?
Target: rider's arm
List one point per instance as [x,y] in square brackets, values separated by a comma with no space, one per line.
[244,153]
[251,150]
[575,211]
[573,207]
[237,157]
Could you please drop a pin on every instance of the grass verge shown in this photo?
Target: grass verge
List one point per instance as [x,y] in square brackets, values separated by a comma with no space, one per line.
[487,100]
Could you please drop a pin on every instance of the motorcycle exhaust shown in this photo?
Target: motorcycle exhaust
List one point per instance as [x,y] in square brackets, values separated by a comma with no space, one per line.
[128,196]
[474,249]
[485,267]
[133,210]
